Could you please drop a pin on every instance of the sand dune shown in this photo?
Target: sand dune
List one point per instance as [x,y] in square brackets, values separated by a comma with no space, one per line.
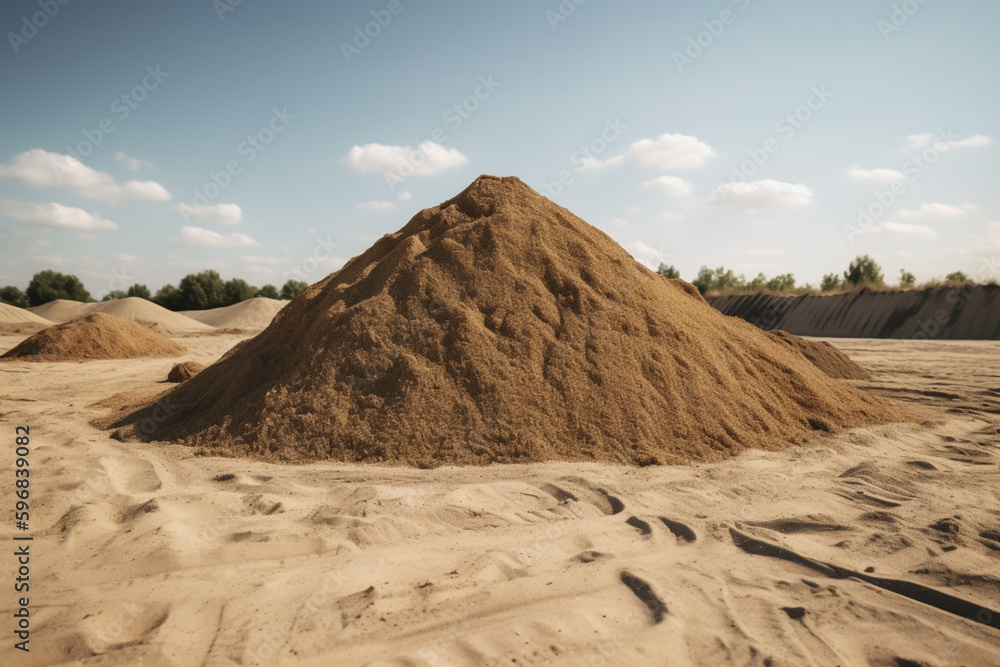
[131,308]
[948,312]
[14,320]
[144,554]
[14,315]
[250,314]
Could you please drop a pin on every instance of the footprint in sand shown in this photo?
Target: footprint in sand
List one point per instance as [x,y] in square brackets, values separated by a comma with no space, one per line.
[131,476]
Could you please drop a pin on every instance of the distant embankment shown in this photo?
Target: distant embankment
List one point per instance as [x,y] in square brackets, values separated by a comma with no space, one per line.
[946,312]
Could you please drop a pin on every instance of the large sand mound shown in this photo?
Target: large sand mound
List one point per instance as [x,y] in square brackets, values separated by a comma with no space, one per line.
[947,312]
[96,336]
[826,357]
[250,314]
[61,310]
[498,326]
[14,315]
[132,309]
[14,320]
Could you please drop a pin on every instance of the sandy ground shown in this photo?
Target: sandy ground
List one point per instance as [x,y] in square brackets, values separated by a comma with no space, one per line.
[878,546]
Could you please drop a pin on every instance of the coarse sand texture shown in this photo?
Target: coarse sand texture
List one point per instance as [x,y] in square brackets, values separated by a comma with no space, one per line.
[500,327]
[93,337]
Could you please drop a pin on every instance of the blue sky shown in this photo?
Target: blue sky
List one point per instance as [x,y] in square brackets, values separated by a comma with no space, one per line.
[749,133]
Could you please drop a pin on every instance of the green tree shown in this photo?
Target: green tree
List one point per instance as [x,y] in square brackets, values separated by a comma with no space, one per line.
[292,288]
[269,292]
[200,291]
[48,286]
[783,283]
[115,294]
[236,290]
[13,296]
[668,271]
[863,270]
[169,297]
[906,279]
[830,282]
[719,280]
[140,291]
[956,277]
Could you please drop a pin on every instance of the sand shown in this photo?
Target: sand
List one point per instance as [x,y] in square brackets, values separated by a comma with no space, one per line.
[948,312]
[96,336]
[184,371]
[14,320]
[132,309]
[250,314]
[144,554]
[824,356]
[500,327]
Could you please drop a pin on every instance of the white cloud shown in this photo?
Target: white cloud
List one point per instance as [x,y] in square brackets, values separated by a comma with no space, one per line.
[223,214]
[926,139]
[904,229]
[975,141]
[86,237]
[206,237]
[875,175]
[671,186]
[426,159]
[376,206]
[995,225]
[405,196]
[40,168]
[937,210]
[766,193]
[647,255]
[132,163]
[53,215]
[125,257]
[666,152]
[619,222]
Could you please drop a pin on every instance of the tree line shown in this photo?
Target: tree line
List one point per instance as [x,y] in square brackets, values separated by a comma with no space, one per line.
[195,291]
[863,270]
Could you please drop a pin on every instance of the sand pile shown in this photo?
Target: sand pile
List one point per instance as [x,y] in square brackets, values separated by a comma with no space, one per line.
[184,371]
[61,310]
[96,336]
[18,320]
[250,314]
[131,309]
[499,327]
[826,357]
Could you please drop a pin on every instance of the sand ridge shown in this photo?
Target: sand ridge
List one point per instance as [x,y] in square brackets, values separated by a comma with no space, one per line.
[500,327]
[947,312]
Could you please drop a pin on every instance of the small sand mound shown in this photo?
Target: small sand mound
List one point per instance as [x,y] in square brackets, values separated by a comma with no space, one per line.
[824,356]
[131,309]
[92,337]
[184,371]
[250,314]
[500,327]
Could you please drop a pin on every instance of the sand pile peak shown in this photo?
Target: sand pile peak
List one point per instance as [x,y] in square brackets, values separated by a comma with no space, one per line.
[500,327]
[92,337]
